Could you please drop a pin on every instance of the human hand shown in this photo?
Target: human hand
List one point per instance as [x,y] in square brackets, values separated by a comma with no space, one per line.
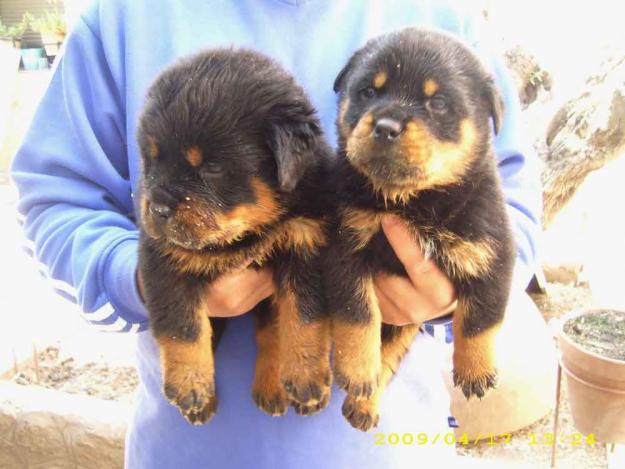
[235,293]
[426,294]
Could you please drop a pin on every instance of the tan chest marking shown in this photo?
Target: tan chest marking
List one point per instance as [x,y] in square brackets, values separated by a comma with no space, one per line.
[465,258]
[361,225]
[302,235]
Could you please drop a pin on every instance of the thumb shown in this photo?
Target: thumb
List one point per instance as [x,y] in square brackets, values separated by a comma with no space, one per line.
[404,244]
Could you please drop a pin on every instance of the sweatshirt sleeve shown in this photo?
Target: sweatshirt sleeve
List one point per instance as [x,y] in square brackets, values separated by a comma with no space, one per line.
[75,198]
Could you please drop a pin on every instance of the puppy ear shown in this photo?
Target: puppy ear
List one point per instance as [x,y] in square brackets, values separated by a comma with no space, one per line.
[495,104]
[294,147]
[341,79]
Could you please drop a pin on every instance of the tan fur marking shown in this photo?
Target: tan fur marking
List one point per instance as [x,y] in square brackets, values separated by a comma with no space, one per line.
[359,139]
[343,127]
[474,357]
[146,219]
[362,225]
[450,160]
[191,262]
[267,387]
[250,217]
[379,80]
[357,353]
[144,206]
[443,163]
[468,258]
[430,87]
[194,156]
[153,148]
[304,235]
[363,128]
[440,163]
[197,221]
[304,348]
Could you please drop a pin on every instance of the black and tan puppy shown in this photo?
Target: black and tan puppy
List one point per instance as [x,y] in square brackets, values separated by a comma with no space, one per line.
[415,141]
[233,160]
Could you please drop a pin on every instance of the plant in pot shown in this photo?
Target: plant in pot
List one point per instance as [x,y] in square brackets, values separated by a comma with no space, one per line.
[52,27]
[13,34]
[592,344]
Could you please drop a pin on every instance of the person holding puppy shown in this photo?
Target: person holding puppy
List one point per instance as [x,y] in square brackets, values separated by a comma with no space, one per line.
[77,172]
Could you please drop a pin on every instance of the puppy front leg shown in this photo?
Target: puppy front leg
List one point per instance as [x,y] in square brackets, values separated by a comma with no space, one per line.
[267,391]
[357,323]
[180,324]
[476,321]
[364,413]
[304,329]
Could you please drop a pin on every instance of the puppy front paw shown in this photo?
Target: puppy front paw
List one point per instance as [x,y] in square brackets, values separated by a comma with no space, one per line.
[273,402]
[309,386]
[362,414]
[311,409]
[192,392]
[475,384]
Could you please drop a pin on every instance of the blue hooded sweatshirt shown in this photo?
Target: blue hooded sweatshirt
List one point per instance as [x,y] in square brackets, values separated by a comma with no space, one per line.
[77,171]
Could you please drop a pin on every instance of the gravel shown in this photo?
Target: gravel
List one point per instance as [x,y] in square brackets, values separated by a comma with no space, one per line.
[55,370]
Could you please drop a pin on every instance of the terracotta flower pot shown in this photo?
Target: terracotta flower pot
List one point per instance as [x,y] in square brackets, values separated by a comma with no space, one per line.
[596,387]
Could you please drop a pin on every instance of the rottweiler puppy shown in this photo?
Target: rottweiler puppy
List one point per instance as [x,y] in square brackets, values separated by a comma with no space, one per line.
[233,161]
[415,141]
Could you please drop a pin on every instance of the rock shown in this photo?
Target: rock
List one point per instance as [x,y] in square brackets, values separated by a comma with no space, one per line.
[530,77]
[584,134]
[43,428]
[567,274]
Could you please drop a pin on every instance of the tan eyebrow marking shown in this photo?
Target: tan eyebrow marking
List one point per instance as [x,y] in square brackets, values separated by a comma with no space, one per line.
[430,87]
[379,79]
[153,148]
[194,156]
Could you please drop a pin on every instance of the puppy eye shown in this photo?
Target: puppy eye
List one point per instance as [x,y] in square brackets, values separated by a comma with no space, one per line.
[438,104]
[211,168]
[367,93]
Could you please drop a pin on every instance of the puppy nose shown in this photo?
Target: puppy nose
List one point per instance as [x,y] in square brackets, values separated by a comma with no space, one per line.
[160,210]
[387,128]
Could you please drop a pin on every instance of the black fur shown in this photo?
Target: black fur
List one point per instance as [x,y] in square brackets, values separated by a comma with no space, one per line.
[471,208]
[249,120]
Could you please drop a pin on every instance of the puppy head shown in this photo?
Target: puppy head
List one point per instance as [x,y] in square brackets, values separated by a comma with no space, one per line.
[225,137]
[415,109]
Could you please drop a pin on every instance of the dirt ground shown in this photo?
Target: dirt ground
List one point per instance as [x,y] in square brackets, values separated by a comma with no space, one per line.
[528,446]
[602,332]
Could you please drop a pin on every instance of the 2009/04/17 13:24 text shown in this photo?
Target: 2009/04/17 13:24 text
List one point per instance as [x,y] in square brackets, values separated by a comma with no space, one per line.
[490,439]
